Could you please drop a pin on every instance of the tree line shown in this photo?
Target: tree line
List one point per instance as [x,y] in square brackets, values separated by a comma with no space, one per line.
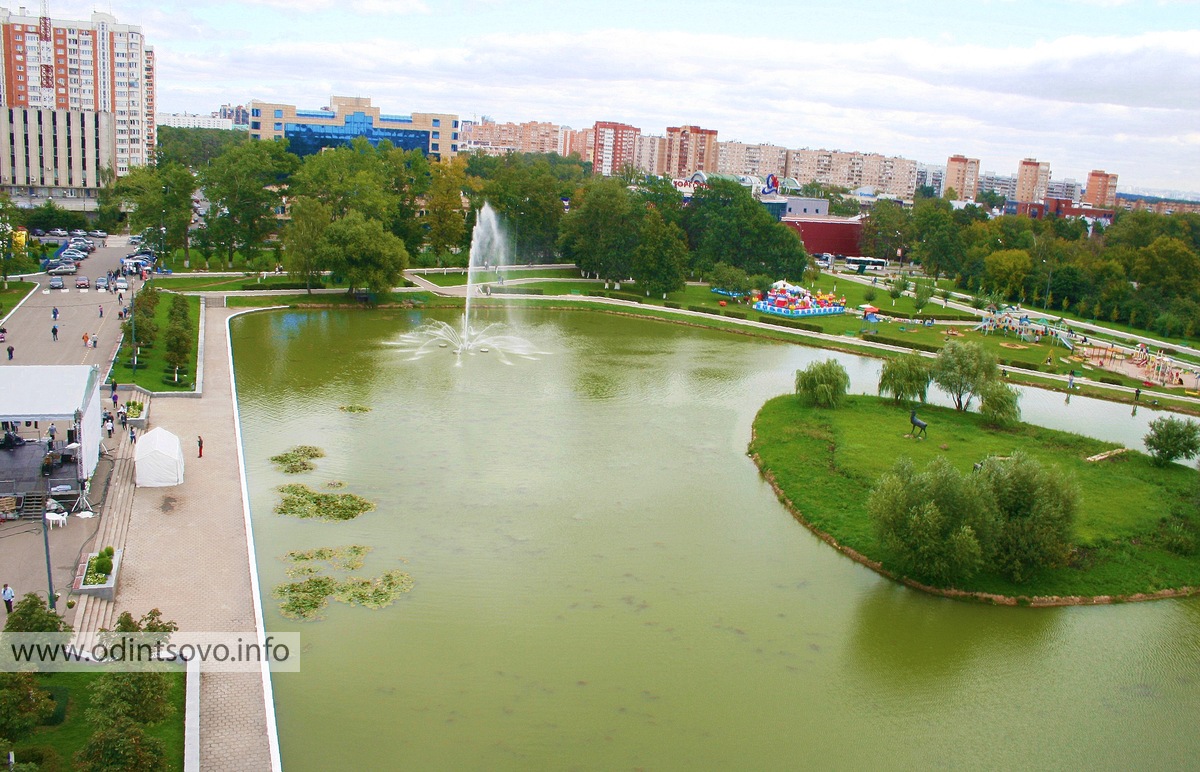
[1143,270]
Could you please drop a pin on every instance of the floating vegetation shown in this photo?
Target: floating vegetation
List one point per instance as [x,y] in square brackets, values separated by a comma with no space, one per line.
[335,484]
[356,409]
[302,501]
[298,572]
[379,592]
[345,558]
[304,600]
[298,459]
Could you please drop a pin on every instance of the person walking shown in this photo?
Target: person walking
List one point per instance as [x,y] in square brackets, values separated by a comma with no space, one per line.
[54,332]
[114,385]
[132,436]
[8,596]
[115,399]
[101,310]
[10,353]
[108,426]
[200,446]
[54,314]
[86,338]
[120,298]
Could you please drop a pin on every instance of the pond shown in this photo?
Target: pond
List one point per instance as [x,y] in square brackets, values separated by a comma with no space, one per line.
[602,579]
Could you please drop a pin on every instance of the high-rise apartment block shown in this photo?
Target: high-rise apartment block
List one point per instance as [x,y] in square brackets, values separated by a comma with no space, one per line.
[614,147]
[1065,190]
[346,118]
[1033,177]
[690,149]
[59,78]
[495,138]
[651,155]
[236,113]
[1004,184]
[1101,191]
[756,160]
[962,175]
[886,174]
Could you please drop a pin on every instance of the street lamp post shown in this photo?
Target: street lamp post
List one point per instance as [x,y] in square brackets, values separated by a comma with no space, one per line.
[1049,274]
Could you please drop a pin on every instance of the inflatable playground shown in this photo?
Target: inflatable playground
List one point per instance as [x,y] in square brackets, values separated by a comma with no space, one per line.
[1019,324]
[789,300]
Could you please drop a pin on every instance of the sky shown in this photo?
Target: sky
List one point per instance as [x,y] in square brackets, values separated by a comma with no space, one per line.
[1082,84]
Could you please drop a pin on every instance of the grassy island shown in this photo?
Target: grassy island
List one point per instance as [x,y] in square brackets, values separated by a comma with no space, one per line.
[1136,529]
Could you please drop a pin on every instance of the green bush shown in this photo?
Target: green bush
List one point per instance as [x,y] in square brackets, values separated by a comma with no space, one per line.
[596,293]
[999,407]
[109,551]
[61,696]
[672,304]
[518,291]
[735,314]
[102,564]
[281,285]
[627,296]
[45,757]
[905,377]
[902,343]
[704,310]
[823,383]
[783,321]
[1172,438]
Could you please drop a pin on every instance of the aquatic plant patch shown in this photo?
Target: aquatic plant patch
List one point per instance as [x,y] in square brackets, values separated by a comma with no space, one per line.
[304,502]
[355,409]
[298,459]
[344,558]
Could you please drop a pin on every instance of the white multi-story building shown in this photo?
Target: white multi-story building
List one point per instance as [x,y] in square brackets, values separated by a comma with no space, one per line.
[754,160]
[1067,189]
[188,121]
[51,67]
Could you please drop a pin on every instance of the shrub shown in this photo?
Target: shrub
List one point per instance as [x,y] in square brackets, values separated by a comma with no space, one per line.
[822,383]
[627,296]
[905,377]
[102,564]
[999,407]
[1172,438]
[1036,515]
[735,314]
[902,343]
[672,304]
[937,523]
[23,705]
[122,745]
[783,321]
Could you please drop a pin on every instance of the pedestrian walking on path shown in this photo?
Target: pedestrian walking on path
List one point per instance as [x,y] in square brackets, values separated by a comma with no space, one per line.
[54,314]
[200,446]
[115,398]
[102,311]
[54,332]
[114,385]
[86,338]
[132,436]
[8,596]
[10,353]
[108,426]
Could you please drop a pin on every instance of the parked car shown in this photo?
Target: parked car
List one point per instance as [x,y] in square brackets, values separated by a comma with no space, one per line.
[120,285]
[135,239]
[81,282]
[37,232]
[74,254]
[98,234]
[102,283]
[56,282]
[83,244]
[79,233]
[57,232]
[63,269]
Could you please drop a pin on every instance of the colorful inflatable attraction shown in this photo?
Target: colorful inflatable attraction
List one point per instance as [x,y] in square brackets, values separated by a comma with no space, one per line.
[789,300]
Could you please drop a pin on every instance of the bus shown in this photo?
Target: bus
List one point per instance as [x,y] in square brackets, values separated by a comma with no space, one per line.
[862,264]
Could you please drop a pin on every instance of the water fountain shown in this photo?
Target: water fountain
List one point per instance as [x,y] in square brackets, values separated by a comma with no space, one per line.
[489,250]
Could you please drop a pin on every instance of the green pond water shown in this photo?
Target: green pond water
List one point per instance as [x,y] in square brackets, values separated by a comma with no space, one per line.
[602,580]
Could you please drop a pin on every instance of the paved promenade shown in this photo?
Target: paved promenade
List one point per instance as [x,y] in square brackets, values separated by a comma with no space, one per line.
[185,546]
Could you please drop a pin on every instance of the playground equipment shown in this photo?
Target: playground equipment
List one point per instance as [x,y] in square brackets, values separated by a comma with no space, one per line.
[790,300]
[1026,329]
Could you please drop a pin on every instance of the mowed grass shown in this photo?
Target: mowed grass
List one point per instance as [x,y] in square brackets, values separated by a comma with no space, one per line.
[70,736]
[457,276]
[152,363]
[827,461]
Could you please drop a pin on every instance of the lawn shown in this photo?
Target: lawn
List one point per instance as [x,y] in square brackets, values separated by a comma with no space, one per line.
[203,282]
[70,736]
[458,276]
[152,366]
[825,462]
[16,291]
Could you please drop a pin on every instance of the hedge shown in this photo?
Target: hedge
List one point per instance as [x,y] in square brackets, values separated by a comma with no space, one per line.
[672,304]
[934,317]
[627,296]
[783,321]
[905,343]
[735,314]
[705,310]
[283,285]
[518,291]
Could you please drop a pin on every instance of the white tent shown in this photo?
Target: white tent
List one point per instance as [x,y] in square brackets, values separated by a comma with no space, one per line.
[67,393]
[158,460]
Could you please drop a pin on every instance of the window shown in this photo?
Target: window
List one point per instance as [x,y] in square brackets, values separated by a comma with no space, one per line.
[279,113]
[256,113]
[255,124]
[278,126]
[437,135]
[437,121]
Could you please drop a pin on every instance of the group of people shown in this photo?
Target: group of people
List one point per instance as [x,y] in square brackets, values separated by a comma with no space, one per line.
[120,413]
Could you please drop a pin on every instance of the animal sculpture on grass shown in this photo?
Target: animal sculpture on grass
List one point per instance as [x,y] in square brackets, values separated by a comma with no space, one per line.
[917,424]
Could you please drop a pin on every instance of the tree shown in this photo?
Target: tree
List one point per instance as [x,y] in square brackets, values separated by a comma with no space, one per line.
[178,347]
[346,178]
[195,148]
[363,253]
[23,704]
[600,232]
[922,294]
[140,698]
[1172,438]
[724,224]
[823,384]
[121,746]
[160,198]
[898,287]
[303,238]
[244,185]
[660,256]
[905,377]
[885,230]
[962,370]
[938,523]
[999,406]
[726,277]
[30,614]
[445,215]
[1006,270]
[938,242]
[1036,510]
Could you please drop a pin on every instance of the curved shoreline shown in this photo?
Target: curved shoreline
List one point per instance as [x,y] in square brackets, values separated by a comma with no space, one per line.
[1034,601]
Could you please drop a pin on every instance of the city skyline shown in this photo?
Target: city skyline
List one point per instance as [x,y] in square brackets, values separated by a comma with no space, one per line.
[1112,85]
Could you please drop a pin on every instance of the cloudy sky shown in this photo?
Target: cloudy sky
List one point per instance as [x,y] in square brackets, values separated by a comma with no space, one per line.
[1083,84]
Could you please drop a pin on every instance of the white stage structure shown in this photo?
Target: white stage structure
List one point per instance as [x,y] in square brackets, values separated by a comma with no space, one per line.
[68,393]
